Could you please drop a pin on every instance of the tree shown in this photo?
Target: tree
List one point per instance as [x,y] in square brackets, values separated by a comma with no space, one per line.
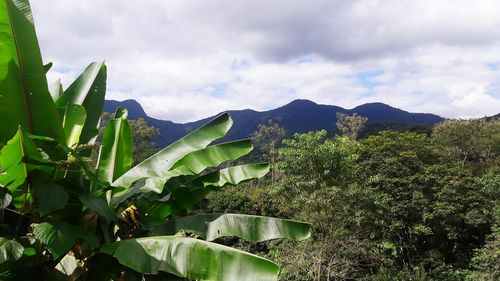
[388,207]
[318,184]
[350,126]
[468,141]
[62,220]
[267,139]
[430,212]
[486,260]
[142,136]
[310,161]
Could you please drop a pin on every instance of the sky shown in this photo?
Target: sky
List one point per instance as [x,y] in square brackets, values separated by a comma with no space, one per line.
[185,60]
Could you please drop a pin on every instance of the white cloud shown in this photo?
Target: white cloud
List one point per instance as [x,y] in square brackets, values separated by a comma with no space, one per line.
[186,60]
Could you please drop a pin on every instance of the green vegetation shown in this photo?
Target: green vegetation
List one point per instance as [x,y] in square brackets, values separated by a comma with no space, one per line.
[142,137]
[391,206]
[350,125]
[80,201]
[61,219]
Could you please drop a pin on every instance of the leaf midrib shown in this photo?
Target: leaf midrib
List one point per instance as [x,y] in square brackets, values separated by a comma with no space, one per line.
[21,70]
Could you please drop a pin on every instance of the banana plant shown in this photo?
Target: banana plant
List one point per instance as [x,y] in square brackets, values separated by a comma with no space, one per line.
[63,220]
[154,199]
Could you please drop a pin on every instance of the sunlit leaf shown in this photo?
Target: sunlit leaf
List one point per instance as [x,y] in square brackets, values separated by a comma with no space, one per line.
[19,157]
[24,95]
[186,192]
[233,175]
[73,122]
[253,228]
[158,165]
[10,250]
[191,258]
[88,90]
[197,161]
[115,156]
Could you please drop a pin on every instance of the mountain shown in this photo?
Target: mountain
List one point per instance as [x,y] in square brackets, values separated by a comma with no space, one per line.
[296,117]
[494,117]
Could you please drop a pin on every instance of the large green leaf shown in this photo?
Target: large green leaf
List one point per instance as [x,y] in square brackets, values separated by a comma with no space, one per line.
[115,156]
[197,161]
[98,204]
[157,166]
[248,227]
[24,95]
[73,123]
[19,157]
[10,250]
[233,175]
[186,198]
[50,196]
[154,185]
[88,90]
[191,164]
[59,237]
[186,192]
[191,258]
[57,90]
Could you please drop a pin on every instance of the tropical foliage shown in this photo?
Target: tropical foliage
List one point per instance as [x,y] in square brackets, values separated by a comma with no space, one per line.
[61,219]
[391,206]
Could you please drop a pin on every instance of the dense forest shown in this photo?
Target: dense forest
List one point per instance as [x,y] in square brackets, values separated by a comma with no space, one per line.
[389,206]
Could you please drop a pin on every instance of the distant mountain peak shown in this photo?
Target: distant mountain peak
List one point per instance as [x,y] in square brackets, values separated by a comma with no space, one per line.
[299,103]
[134,108]
[298,116]
[368,104]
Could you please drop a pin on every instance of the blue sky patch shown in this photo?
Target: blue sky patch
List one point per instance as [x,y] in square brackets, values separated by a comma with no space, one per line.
[366,78]
[493,65]
[215,90]
[304,60]
[240,64]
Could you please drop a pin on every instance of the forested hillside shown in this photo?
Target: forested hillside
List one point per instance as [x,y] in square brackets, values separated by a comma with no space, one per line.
[391,206]
[388,201]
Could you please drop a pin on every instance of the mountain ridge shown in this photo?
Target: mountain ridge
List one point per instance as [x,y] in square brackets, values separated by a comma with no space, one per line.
[297,116]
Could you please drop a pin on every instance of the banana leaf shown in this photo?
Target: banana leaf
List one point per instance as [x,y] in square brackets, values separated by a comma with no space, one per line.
[88,90]
[115,156]
[158,165]
[187,191]
[197,161]
[252,228]
[18,158]
[191,258]
[57,90]
[24,95]
[73,122]
[59,237]
[191,164]
[232,175]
